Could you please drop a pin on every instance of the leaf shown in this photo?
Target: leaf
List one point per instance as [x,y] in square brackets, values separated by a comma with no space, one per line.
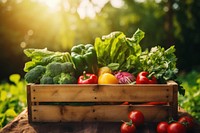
[11,112]
[137,36]
[113,66]
[14,78]
[116,48]
[37,53]
[3,95]
[29,65]
[14,90]
[2,120]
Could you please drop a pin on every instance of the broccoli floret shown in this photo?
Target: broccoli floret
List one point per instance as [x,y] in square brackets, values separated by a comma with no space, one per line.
[56,79]
[53,69]
[66,78]
[34,75]
[67,67]
[53,73]
[56,68]
[46,80]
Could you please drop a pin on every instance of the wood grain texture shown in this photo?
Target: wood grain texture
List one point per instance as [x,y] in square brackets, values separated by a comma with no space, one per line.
[100,113]
[101,93]
[53,103]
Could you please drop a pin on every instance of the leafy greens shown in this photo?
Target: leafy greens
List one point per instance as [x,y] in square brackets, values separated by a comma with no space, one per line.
[125,54]
[44,57]
[113,50]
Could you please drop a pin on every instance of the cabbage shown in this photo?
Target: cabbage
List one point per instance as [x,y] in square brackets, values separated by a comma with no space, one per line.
[125,77]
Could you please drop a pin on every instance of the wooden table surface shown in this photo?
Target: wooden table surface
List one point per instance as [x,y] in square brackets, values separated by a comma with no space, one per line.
[21,125]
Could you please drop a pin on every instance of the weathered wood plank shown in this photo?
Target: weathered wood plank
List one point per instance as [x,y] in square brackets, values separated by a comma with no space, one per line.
[111,113]
[102,93]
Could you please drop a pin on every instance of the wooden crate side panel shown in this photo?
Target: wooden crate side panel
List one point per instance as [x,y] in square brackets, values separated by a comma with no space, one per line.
[102,93]
[104,113]
[174,103]
[29,103]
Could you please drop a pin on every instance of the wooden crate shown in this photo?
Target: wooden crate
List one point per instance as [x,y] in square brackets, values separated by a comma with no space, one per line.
[56,103]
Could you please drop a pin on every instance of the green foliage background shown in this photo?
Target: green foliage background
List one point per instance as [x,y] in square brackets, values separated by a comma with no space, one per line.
[190,101]
[12,99]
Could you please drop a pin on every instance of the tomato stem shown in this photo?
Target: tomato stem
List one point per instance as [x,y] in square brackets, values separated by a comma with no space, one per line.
[128,123]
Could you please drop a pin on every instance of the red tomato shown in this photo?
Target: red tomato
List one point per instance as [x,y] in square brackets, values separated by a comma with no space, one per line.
[162,127]
[137,117]
[176,127]
[188,121]
[128,127]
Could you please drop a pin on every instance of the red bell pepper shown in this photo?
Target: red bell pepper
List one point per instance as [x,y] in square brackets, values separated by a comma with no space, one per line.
[125,103]
[87,78]
[145,78]
[155,103]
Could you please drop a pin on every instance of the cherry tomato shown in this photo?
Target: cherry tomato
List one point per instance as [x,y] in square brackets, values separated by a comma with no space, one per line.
[176,127]
[162,127]
[128,127]
[137,117]
[188,121]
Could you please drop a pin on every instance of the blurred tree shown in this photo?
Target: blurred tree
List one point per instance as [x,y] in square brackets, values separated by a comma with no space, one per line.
[148,16]
[187,33]
[27,23]
[30,23]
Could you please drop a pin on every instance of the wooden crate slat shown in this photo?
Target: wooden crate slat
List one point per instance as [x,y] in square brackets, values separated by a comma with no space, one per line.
[110,113]
[103,93]
[135,93]
[62,93]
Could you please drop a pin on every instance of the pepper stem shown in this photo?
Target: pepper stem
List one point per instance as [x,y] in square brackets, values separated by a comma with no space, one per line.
[150,75]
[85,76]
